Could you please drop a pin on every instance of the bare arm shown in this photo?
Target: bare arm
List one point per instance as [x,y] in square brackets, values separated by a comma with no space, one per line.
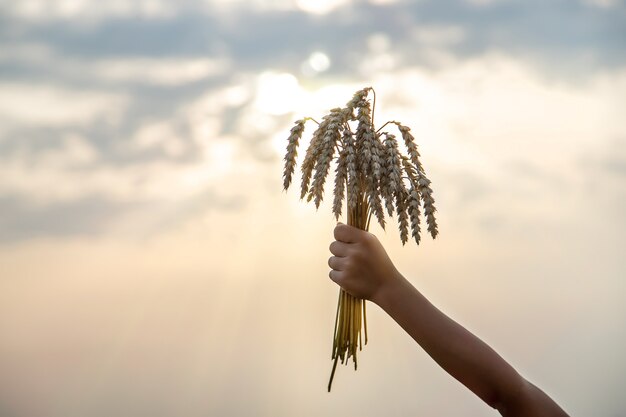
[361,266]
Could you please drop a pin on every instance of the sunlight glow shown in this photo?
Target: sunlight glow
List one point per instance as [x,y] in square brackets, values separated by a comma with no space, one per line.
[319,6]
[316,63]
[277,93]
[321,100]
[319,61]
[218,161]
[221,156]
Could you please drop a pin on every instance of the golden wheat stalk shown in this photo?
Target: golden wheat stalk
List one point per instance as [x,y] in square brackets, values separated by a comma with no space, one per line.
[372,174]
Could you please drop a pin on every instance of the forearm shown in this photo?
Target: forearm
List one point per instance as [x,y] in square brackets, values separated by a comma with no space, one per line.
[456,350]
[361,266]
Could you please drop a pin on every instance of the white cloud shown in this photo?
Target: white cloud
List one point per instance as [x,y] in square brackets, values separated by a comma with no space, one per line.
[437,35]
[74,151]
[378,42]
[320,6]
[50,179]
[153,71]
[506,140]
[384,2]
[158,71]
[499,104]
[484,2]
[475,116]
[159,135]
[90,10]
[602,3]
[44,177]
[47,105]
[26,52]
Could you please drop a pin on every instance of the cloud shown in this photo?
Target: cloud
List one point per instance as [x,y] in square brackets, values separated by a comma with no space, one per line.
[154,174]
[233,131]
[136,71]
[41,10]
[51,106]
[139,106]
[604,3]
[569,39]
[158,71]
[90,11]
[504,141]
[603,170]
[613,158]
[161,136]
[88,216]
[45,178]
[439,35]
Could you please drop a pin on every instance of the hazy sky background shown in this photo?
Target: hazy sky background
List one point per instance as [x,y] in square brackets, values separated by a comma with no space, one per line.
[151,266]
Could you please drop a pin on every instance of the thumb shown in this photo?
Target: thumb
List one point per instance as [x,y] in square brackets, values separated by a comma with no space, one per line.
[347,234]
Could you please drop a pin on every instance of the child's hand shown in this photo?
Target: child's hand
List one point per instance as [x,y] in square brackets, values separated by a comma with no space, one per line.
[361,265]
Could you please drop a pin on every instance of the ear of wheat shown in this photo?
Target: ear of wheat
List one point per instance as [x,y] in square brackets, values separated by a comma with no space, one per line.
[372,175]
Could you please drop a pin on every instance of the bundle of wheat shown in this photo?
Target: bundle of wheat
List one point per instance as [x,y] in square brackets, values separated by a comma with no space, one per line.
[373,173]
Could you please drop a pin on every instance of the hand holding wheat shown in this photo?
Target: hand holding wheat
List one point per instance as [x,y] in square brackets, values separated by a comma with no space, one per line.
[360,265]
[373,176]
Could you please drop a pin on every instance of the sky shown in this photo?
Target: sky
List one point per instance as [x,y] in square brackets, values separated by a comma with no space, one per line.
[151,265]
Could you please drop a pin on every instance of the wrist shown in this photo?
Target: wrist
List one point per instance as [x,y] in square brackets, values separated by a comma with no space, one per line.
[387,292]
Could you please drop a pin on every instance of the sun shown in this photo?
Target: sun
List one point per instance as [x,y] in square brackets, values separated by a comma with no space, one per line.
[277,93]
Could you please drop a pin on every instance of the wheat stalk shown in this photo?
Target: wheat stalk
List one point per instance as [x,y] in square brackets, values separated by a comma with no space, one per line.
[372,175]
